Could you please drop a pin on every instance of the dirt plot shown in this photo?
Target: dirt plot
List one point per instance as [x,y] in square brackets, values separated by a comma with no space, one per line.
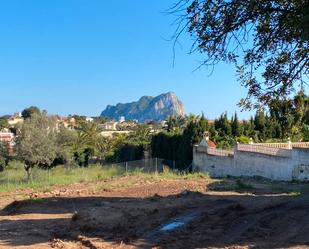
[139,213]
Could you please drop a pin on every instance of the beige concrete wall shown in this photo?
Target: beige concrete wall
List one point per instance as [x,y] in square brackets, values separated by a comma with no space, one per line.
[268,166]
[301,164]
[244,163]
[217,166]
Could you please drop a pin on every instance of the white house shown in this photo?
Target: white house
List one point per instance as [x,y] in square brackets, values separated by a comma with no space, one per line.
[109,126]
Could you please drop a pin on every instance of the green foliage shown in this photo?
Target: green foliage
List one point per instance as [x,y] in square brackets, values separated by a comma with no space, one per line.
[28,112]
[285,118]
[249,128]
[240,185]
[177,145]
[40,141]
[175,123]
[36,141]
[282,111]
[99,120]
[131,146]
[140,135]
[224,130]
[235,126]
[243,139]
[260,124]
[226,142]
[83,155]
[79,120]
[246,33]
[3,123]
[305,131]
[66,140]
[167,145]
[14,176]
[89,136]
[4,155]
[223,125]
[129,152]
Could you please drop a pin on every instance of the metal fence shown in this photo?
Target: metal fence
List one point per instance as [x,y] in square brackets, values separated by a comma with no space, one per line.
[158,165]
[15,176]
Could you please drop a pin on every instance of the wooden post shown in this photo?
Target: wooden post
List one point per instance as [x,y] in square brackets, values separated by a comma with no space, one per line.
[156,165]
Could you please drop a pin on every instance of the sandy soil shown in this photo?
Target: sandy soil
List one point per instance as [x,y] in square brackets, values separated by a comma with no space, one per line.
[133,212]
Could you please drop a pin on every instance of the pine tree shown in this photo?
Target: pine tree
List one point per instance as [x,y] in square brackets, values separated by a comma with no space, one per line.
[223,126]
[235,126]
[260,124]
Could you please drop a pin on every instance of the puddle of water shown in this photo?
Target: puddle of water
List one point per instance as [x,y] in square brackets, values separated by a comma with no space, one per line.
[177,222]
[172,226]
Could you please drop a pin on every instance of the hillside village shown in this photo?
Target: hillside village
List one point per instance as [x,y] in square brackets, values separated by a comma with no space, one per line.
[108,128]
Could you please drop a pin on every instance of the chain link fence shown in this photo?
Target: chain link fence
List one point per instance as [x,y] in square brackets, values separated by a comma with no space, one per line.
[14,176]
[153,165]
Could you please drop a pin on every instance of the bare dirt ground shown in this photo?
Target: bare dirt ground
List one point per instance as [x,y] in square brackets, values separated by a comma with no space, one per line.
[130,212]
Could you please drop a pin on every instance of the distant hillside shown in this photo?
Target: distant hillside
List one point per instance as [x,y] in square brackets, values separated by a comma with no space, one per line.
[147,108]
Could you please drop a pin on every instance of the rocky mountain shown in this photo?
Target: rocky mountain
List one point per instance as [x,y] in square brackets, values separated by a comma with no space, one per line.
[147,108]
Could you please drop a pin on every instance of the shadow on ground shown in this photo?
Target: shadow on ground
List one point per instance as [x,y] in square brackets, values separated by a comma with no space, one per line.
[220,219]
[259,186]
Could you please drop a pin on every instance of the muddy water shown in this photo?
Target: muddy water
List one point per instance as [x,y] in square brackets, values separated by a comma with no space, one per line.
[171,225]
[177,222]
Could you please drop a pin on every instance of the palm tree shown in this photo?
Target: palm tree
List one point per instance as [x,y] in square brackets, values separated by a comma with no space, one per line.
[175,122]
[90,136]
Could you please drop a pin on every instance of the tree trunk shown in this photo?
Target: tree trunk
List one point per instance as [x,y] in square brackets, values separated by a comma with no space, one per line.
[28,168]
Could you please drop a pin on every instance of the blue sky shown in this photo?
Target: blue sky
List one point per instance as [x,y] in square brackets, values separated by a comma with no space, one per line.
[77,56]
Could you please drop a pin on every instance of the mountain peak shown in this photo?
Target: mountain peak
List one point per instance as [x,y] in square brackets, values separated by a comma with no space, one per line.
[147,108]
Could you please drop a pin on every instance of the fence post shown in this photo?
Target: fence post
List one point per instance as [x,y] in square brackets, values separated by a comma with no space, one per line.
[251,144]
[289,144]
[251,140]
[49,175]
[126,167]
[156,165]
